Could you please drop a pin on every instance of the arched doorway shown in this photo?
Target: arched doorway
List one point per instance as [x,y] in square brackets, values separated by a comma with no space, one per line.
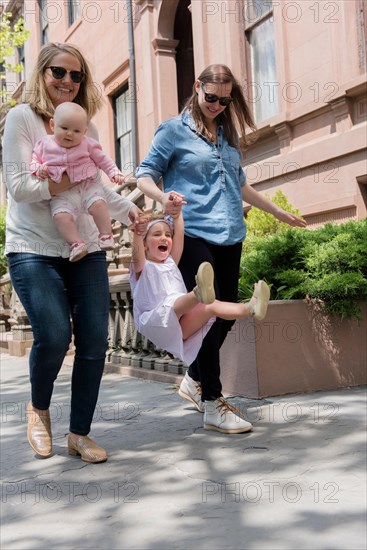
[184,52]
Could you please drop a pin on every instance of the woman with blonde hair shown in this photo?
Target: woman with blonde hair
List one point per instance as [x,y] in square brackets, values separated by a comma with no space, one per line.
[198,154]
[60,298]
[37,93]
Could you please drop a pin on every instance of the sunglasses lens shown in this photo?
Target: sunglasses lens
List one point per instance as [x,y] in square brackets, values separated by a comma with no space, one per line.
[225,101]
[76,76]
[60,72]
[211,98]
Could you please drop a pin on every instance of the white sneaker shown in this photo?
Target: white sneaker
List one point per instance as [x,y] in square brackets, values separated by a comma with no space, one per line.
[191,390]
[223,417]
[106,241]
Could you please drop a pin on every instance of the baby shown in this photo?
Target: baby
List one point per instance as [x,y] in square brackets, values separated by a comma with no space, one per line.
[70,151]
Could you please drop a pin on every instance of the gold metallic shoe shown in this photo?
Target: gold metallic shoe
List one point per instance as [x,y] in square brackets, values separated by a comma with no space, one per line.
[39,431]
[85,447]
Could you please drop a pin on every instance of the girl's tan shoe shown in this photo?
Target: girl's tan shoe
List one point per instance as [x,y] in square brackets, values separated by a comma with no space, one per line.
[204,290]
[262,294]
[86,448]
[39,431]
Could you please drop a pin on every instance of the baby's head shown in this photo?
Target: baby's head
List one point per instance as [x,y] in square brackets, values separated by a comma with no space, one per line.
[69,124]
[158,238]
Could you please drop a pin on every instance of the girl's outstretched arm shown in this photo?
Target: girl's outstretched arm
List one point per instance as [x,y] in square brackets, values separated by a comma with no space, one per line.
[178,238]
[138,250]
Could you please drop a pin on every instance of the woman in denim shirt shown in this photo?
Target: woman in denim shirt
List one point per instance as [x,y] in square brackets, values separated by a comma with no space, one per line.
[198,155]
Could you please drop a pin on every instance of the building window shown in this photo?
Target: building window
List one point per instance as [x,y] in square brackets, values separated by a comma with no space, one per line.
[123,131]
[42,6]
[260,45]
[73,11]
[21,61]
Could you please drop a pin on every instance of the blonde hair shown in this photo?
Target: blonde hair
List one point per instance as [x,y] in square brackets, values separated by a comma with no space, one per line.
[235,118]
[36,94]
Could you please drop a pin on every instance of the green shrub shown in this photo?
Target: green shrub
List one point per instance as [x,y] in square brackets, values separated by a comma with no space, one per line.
[328,264]
[261,223]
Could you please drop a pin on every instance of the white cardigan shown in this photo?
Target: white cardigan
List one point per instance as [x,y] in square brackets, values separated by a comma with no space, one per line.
[29,224]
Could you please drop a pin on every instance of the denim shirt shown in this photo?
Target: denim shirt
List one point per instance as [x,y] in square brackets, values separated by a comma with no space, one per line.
[210,176]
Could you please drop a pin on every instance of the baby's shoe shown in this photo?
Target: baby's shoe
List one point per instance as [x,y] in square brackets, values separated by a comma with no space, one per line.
[204,290]
[262,295]
[77,251]
[106,241]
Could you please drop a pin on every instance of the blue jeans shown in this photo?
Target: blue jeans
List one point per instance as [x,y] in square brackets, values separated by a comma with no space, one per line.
[61,297]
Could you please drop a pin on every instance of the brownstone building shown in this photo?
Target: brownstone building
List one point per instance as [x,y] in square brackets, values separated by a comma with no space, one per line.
[302,65]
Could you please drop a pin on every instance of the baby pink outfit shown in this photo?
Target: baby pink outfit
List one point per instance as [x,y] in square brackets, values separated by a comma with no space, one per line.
[80,163]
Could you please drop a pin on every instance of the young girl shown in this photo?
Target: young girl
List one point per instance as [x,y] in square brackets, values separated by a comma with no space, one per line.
[172,318]
[69,150]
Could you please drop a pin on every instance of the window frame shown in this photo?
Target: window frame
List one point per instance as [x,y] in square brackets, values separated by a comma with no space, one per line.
[250,69]
[43,27]
[117,139]
[74,11]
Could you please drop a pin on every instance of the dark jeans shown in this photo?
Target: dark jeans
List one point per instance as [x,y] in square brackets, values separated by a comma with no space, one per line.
[226,264]
[53,292]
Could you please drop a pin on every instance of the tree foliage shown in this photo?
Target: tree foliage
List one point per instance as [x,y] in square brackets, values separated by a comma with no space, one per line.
[12,36]
[261,223]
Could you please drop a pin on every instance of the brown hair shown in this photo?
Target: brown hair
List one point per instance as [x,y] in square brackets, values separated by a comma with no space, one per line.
[36,95]
[159,217]
[235,118]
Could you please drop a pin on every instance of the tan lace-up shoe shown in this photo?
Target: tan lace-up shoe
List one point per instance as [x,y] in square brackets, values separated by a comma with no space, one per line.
[220,416]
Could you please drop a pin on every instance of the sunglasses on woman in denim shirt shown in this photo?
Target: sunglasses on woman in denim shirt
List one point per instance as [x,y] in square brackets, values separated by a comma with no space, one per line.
[212,98]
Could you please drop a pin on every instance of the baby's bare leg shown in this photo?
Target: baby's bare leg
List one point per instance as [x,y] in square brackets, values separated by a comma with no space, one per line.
[67,227]
[99,211]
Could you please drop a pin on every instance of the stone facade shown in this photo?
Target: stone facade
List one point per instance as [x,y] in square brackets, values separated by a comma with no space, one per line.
[312,146]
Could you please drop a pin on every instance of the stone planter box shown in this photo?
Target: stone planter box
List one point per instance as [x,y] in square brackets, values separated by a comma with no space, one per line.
[296,348]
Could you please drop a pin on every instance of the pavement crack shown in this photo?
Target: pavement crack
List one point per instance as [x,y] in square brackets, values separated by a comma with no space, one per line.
[44,474]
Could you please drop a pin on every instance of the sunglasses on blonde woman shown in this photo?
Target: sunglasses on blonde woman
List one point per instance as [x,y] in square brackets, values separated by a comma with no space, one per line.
[212,98]
[59,72]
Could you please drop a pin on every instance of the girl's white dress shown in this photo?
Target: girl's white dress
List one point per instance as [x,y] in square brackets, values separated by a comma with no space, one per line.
[154,294]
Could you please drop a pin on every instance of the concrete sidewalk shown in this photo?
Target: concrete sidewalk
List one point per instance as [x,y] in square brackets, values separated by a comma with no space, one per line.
[297,481]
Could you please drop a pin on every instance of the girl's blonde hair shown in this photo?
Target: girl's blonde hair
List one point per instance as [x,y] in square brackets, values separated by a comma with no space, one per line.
[235,118]
[36,95]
